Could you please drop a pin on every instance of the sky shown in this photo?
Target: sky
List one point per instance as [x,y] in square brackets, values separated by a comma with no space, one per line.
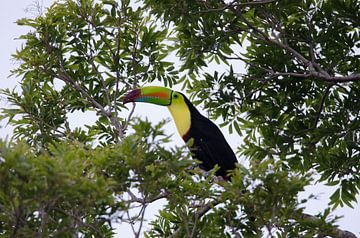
[10,11]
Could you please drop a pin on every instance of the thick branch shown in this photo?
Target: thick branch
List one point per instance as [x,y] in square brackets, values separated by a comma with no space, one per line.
[314,69]
[343,79]
[234,4]
[335,232]
[203,210]
[253,3]
[329,78]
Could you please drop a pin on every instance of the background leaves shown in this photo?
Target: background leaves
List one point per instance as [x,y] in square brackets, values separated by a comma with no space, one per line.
[295,105]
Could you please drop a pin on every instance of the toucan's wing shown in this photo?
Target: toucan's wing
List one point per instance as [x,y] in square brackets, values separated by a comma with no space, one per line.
[212,148]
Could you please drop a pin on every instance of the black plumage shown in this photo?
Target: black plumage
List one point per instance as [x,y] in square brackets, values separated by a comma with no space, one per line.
[209,144]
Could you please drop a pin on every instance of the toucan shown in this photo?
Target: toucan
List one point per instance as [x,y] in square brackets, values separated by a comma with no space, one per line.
[206,142]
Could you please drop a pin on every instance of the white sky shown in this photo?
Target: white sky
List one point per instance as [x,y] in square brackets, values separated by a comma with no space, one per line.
[10,11]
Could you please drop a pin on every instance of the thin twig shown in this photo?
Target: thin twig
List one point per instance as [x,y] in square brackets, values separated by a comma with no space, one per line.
[115,122]
[55,129]
[141,220]
[105,88]
[116,59]
[129,117]
[67,79]
[131,223]
[133,198]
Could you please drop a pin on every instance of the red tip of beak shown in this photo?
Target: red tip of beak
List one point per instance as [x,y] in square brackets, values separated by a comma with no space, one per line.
[132,95]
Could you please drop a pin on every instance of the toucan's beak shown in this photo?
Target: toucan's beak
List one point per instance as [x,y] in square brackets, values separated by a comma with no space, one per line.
[150,94]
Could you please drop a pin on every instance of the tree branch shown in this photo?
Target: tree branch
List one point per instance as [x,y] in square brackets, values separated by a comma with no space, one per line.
[131,223]
[315,70]
[335,232]
[114,121]
[342,79]
[253,3]
[67,79]
[129,117]
[141,220]
[312,65]
[95,68]
[134,198]
[234,4]
[203,210]
[330,79]
[115,55]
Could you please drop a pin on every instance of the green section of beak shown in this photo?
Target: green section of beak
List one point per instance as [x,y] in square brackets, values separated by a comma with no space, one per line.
[150,94]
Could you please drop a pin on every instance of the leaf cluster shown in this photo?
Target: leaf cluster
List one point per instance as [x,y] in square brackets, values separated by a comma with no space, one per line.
[82,56]
[296,107]
[298,99]
[73,189]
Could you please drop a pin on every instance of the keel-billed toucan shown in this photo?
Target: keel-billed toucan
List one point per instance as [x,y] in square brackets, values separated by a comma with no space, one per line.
[207,142]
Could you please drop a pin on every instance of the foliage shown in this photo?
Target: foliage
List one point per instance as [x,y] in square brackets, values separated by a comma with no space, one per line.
[298,99]
[73,189]
[52,194]
[83,56]
[295,106]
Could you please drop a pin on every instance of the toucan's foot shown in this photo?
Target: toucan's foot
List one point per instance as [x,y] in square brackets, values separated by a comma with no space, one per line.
[214,178]
[217,179]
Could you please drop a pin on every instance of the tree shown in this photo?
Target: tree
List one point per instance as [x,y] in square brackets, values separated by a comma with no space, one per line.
[296,107]
[299,94]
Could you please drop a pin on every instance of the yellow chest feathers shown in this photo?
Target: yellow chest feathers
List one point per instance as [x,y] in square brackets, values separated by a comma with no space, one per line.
[181,115]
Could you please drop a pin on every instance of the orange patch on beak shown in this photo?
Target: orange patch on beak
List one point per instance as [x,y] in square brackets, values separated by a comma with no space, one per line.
[158,94]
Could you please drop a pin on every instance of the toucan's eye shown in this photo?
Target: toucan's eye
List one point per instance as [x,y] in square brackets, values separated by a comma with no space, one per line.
[176,96]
